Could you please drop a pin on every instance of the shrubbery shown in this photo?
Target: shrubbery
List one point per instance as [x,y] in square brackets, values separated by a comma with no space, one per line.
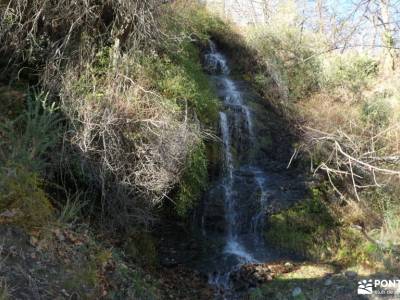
[29,135]
[290,60]
[350,72]
[377,111]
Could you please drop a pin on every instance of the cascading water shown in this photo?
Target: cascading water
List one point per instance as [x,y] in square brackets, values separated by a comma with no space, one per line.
[244,216]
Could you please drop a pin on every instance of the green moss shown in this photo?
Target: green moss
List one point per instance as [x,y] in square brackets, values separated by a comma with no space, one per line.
[304,228]
[180,79]
[194,180]
[265,141]
[21,191]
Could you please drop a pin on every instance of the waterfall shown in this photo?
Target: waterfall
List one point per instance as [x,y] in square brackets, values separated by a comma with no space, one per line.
[243,233]
[228,160]
[215,61]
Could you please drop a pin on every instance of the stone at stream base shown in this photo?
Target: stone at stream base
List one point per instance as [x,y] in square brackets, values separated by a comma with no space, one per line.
[254,275]
[297,292]
[328,282]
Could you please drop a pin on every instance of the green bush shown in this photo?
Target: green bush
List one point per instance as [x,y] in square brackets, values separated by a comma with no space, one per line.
[311,229]
[27,138]
[290,57]
[353,249]
[377,110]
[351,71]
[25,145]
[191,20]
[4,290]
[133,284]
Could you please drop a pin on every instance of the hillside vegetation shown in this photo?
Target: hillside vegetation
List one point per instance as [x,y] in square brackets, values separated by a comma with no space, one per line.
[108,123]
[104,112]
[109,103]
[344,106]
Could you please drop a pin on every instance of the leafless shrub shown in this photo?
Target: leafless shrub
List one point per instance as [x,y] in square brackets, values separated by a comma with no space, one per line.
[46,34]
[361,156]
[129,135]
[128,141]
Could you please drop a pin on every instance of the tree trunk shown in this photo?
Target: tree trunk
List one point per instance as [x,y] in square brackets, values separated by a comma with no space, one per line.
[387,38]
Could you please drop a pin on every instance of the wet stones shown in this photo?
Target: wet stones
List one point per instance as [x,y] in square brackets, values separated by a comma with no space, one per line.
[253,275]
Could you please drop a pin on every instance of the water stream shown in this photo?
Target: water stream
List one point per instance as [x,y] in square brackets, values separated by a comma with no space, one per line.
[243,184]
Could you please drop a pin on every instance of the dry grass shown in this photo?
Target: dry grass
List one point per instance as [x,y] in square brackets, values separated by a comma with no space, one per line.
[43,35]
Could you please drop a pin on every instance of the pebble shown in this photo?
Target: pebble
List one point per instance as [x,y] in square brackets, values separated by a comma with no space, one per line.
[288,265]
[296,292]
[328,282]
[350,274]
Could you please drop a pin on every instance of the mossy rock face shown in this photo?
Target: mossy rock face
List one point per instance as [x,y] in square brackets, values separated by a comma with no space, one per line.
[22,199]
[307,228]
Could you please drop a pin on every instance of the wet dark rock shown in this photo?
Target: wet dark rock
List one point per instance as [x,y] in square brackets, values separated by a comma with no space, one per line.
[350,274]
[328,282]
[214,210]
